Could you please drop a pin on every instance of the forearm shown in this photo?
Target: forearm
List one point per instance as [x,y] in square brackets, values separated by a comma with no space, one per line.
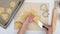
[25,24]
[23,28]
[49,32]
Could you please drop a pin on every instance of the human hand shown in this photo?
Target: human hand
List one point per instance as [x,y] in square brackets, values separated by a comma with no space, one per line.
[29,18]
[48,29]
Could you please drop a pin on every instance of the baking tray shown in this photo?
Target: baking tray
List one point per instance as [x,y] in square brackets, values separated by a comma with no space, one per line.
[7,4]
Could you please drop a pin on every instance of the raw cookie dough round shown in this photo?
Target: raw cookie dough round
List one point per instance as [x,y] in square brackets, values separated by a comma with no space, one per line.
[45,14]
[18,25]
[1,9]
[9,10]
[12,4]
[43,7]
[4,16]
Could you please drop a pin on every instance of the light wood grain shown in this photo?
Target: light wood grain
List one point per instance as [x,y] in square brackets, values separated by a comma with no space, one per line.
[54,18]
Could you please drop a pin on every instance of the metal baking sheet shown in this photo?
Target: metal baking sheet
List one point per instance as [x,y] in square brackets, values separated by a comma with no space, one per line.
[7,4]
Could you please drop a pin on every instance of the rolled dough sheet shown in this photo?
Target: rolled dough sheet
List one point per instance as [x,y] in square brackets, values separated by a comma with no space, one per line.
[36,7]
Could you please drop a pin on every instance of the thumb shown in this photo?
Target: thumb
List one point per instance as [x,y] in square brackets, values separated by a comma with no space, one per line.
[46,27]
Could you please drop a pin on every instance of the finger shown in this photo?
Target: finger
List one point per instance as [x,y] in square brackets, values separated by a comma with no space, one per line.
[27,19]
[30,18]
[46,31]
[46,26]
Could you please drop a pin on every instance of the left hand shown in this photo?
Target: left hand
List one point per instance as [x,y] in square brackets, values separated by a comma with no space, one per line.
[30,18]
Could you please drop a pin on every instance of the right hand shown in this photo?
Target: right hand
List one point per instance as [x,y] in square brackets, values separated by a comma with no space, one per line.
[48,29]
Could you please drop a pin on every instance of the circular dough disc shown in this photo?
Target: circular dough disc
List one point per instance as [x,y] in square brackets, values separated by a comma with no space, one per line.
[12,4]
[9,10]
[1,10]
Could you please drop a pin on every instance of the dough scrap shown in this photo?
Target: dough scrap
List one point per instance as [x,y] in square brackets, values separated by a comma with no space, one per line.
[18,25]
